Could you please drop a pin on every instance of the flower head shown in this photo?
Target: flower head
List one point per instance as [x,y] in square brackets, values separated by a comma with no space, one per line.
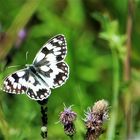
[67,117]
[95,117]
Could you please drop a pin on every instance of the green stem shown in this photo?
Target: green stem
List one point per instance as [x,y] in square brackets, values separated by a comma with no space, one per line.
[71,138]
[114,113]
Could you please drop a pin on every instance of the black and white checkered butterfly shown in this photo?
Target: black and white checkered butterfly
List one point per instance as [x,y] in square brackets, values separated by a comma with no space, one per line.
[47,71]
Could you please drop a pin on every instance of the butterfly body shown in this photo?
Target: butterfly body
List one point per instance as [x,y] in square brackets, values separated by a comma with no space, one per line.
[32,69]
[47,71]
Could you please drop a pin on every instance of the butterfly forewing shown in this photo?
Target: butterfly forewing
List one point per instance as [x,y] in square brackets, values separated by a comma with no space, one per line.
[53,51]
[16,83]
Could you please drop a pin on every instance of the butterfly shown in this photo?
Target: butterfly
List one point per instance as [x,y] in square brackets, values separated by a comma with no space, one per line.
[48,71]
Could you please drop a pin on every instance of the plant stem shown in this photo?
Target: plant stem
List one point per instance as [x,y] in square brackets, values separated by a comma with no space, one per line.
[114,113]
[44,118]
[127,71]
[71,138]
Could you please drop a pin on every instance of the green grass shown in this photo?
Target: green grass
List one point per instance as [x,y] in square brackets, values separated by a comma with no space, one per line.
[96,38]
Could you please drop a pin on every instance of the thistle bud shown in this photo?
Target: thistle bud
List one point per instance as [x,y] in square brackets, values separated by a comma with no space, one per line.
[67,118]
[95,118]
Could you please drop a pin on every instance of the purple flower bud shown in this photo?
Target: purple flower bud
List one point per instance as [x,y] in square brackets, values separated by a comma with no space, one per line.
[21,36]
[67,117]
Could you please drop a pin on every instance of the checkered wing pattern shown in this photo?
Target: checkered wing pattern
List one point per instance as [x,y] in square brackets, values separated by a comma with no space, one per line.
[50,64]
[53,51]
[37,89]
[16,83]
[47,71]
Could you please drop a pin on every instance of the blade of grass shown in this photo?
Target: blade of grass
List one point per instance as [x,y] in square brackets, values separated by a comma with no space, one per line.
[114,113]
[127,71]
[3,125]
[22,18]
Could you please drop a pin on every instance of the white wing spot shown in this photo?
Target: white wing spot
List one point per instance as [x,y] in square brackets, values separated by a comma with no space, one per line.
[7,87]
[40,56]
[22,81]
[64,77]
[60,81]
[60,41]
[55,40]
[57,49]
[57,53]
[50,46]
[15,85]
[66,68]
[31,79]
[11,79]
[41,96]
[20,73]
[32,95]
[19,86]
[51,57]
[44,68]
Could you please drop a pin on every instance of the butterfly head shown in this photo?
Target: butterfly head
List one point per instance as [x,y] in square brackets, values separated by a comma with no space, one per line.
[27,65]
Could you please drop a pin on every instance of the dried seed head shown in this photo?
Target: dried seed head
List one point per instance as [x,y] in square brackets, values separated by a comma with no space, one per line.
[100,107]
[95,117]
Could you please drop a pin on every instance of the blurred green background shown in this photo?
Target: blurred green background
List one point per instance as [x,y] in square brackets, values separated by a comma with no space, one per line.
[99,34]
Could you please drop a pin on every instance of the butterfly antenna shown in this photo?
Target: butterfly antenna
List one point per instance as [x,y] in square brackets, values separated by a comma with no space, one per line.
[27,56]
[13,66]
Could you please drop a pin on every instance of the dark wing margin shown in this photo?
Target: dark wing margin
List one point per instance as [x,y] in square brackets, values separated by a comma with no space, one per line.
[62,76]
[16,83]
[53,51]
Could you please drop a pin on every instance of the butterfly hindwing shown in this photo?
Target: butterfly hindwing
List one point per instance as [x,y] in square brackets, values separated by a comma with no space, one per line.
[62,76]
[37,88]
[54,74]
[16,83]
[53,51]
